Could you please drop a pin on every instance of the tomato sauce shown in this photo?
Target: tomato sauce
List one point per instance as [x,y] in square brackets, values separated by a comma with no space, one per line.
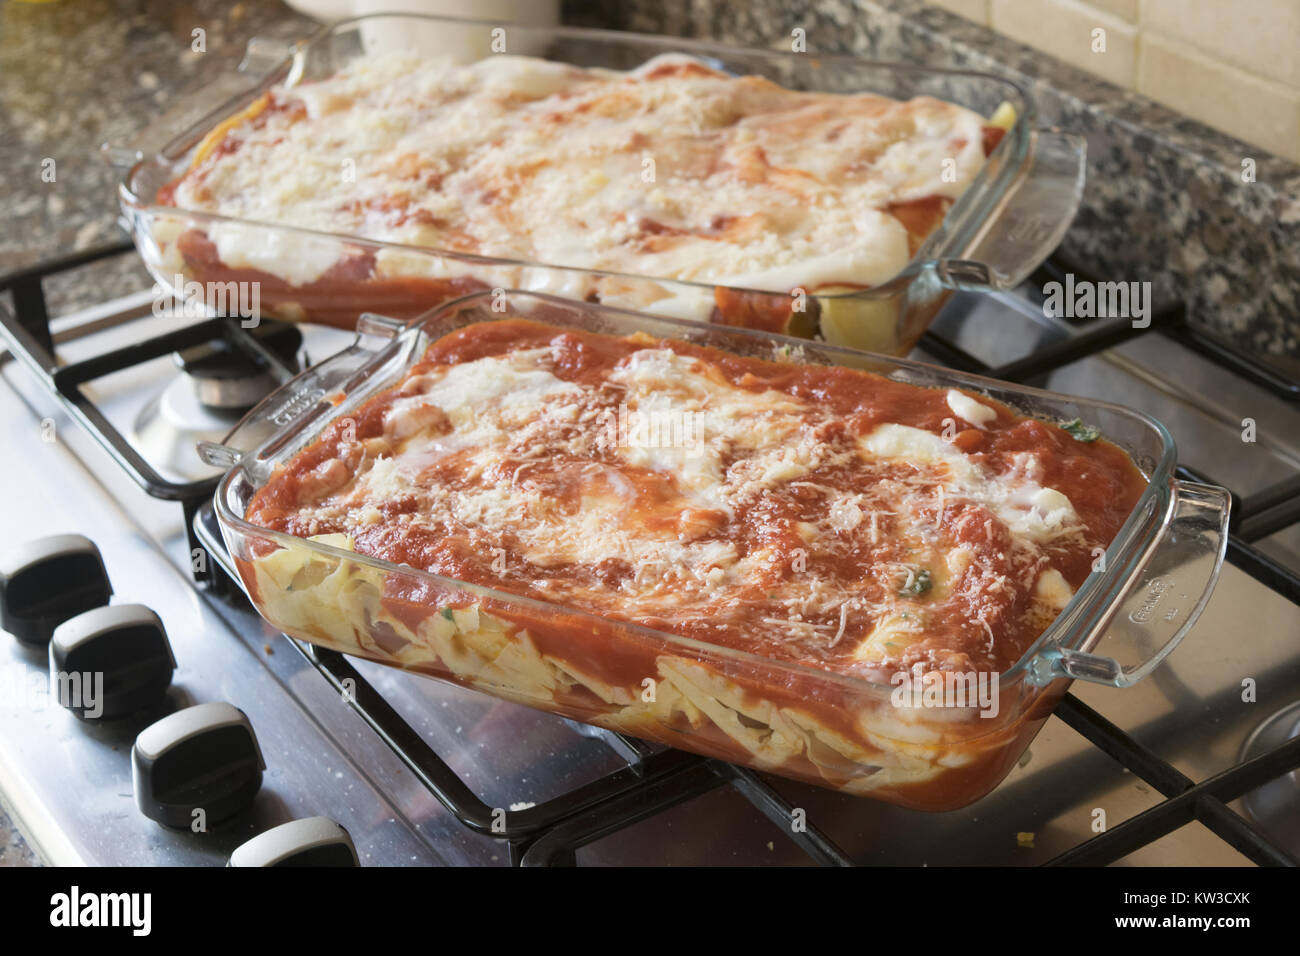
[1099,479]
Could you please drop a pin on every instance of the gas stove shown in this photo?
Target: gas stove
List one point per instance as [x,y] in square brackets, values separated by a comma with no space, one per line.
[100,410]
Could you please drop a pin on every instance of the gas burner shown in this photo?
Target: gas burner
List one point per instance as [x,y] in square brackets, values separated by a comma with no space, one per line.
[222,378]
[168,428]
[217,384]
[1274,806]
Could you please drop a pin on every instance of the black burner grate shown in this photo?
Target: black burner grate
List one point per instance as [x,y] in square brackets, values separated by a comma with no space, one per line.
[550,833]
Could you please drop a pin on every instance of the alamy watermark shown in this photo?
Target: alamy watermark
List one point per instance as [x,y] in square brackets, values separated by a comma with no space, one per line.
[669,428]
[190,299]
[947,689]
[133,911]
[1084,299]
[82,691]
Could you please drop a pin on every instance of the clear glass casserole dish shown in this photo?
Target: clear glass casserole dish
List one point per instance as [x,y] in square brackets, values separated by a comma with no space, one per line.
[856,735]
[1001,228]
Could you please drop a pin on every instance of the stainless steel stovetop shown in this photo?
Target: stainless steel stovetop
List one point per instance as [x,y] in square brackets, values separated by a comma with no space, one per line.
[68,781]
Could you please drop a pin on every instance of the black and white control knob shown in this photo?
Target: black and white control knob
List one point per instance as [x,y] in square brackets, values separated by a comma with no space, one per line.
[199,765]
[46,581]
[314,841]
[111,661]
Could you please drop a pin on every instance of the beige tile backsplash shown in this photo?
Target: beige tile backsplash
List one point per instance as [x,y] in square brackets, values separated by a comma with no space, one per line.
[1084,35]
[1232,64]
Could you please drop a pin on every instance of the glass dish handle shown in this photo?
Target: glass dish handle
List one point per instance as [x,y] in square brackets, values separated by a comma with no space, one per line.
[1170,587]
[288,410]
[1035,215]
[261,56]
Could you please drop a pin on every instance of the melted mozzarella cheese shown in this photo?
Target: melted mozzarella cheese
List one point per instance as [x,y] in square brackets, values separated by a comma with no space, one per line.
[1028,510]
[721,511]
[966,407]
[673,170]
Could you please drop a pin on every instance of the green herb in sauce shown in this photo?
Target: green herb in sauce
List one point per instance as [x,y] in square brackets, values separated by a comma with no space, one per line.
[1081,432]
[917,584]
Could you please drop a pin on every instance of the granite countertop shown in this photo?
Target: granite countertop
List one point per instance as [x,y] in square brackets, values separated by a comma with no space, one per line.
[76,75]
[13,851]
[73,76]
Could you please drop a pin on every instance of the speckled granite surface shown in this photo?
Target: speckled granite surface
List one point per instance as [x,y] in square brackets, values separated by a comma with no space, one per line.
[1165,200]
[75,75]
[13,851]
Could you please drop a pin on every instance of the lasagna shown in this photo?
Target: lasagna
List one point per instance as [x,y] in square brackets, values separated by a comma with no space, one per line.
[817,520]
[673,170]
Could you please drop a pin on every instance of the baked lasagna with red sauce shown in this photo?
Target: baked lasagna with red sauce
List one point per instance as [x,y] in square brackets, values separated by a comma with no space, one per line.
[673,171]
[821,520]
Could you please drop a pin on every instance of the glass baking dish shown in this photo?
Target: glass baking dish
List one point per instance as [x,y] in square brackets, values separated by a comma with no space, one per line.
[1002,227]
[837,731]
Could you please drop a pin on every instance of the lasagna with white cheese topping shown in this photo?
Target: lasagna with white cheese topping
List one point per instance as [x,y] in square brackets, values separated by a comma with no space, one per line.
[825,519]
[673,171]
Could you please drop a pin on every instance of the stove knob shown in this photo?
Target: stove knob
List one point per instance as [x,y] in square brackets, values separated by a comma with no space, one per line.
[315,841]
[111,661]
[47,581]
[196,767]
